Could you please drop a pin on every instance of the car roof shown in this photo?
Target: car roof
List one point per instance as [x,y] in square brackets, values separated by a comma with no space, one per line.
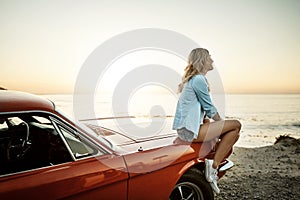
[15,101]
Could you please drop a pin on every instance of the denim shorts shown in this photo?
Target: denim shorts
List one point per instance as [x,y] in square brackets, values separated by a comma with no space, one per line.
[185,134]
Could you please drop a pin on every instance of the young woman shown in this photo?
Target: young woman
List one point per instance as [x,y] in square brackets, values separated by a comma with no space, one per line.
[194,105]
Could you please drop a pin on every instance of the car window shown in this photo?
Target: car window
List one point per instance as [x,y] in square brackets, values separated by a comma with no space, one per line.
[80,148]
[29,141]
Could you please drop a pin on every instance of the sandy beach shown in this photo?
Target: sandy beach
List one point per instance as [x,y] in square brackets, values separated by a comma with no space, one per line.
[270,172]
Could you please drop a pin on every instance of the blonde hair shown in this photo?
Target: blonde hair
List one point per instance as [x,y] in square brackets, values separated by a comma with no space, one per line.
[197,64]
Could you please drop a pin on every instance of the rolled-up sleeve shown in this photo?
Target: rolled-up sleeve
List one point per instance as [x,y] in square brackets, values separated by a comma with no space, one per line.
[199,84]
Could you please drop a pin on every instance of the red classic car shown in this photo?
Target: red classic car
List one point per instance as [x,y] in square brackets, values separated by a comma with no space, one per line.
[45,155]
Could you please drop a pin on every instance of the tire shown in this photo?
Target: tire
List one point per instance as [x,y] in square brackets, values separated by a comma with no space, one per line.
[192,185]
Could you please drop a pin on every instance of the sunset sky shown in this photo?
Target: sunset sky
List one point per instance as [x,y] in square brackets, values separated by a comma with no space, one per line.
[255,43]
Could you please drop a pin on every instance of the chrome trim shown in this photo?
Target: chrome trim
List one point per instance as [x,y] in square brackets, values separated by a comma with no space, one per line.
[25,111]
[54,121]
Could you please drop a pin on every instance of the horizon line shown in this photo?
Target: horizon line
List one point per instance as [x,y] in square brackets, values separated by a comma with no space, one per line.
[226,93]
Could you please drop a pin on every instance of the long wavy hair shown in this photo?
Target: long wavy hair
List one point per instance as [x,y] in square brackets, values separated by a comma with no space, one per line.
[197,64]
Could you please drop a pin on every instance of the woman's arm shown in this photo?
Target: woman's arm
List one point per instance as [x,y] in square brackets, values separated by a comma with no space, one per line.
[199,84]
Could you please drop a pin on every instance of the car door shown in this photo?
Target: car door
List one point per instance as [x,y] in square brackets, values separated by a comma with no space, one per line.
[74,166]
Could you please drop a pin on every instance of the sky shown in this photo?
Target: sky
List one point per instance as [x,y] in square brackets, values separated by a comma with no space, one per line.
[255,44]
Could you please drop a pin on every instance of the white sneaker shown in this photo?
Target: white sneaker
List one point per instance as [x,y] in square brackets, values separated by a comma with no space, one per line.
[211,175]
[209,170]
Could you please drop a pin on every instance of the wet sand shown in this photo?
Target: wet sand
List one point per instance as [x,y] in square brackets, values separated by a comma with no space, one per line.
[271,172]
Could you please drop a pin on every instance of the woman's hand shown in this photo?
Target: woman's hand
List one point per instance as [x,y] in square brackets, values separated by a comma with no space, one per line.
[217,117]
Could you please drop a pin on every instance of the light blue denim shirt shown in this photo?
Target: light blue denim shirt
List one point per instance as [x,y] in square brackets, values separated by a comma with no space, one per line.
[194,102]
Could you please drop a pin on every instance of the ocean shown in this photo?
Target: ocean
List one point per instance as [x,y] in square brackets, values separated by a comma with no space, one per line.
[263,117]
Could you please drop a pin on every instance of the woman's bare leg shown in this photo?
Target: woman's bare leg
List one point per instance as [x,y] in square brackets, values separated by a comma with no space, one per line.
[227,129]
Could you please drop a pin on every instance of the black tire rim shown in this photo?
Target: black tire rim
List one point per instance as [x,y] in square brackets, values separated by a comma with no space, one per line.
[186,191]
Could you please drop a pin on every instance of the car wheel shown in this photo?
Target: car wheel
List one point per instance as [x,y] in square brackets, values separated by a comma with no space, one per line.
[192,185]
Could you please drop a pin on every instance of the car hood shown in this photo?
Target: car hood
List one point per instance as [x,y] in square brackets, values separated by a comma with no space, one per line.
[133,134]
